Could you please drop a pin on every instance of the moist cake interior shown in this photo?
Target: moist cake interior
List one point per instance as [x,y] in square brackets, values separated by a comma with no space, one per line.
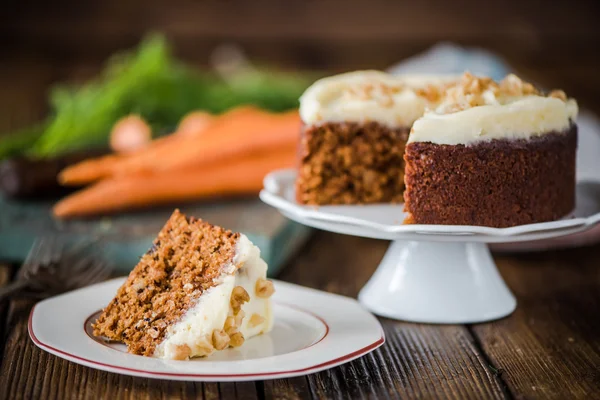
[185,260]
[346,163]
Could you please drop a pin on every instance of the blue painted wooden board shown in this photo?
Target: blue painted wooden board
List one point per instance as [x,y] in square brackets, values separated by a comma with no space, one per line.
[124,237]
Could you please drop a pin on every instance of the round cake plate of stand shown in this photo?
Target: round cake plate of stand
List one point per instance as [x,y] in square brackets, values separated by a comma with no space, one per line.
[430,273]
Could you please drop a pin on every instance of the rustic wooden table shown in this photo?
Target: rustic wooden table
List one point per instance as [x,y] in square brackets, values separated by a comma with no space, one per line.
[548,348]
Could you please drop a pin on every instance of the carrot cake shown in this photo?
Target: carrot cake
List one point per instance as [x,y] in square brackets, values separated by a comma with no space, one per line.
[200,288]
[458,150]
[492,154]
[355,127]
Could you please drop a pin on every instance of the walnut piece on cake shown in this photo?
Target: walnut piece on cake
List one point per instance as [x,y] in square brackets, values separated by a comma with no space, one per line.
[472,91]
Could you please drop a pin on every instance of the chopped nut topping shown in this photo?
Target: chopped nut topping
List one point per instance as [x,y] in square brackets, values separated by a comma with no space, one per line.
[255,320]
[182,352]
[220,339]
[431,93]
[236,339]
[474,91]
[512,85]
[230,326]
[204,346]
[386,101]
[558,94]
[239,296]
[264,288]
[238,318]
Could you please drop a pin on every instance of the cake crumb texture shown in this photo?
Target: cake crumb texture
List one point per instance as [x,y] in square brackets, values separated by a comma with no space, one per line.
[351,163]
[499,183]
[183,262]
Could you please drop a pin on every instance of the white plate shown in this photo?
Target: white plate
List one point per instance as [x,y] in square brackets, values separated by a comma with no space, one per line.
[313,331]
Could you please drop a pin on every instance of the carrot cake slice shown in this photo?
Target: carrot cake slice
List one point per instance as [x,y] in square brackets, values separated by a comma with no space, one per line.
[355,127]
[492,154]
[200,288]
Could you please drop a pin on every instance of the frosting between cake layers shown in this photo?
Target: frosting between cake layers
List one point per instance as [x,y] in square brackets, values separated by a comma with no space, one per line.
[196,326]
[511,118]
[364,96]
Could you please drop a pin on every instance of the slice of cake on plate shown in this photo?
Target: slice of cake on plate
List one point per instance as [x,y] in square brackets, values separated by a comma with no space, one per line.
[200,288]
[492,154]
[355,128]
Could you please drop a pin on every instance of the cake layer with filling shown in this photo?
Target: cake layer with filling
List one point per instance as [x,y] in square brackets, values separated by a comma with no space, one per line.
[200,288]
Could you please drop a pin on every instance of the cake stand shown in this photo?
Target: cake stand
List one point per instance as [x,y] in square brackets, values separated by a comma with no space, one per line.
[430,273]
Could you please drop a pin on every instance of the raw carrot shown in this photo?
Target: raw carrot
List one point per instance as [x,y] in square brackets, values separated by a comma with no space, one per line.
[232,129]
[97,168]
[160,150]
[241,177]
[88,170]
[237,138]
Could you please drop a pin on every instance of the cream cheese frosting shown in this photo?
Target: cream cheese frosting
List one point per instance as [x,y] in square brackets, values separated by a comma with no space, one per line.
[209,314]
[478,109]
[363,96]
[520,119]
[441,109]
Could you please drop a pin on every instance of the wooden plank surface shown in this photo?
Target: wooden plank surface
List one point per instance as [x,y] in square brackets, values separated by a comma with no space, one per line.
[549,348]
[550,345]
[5,275]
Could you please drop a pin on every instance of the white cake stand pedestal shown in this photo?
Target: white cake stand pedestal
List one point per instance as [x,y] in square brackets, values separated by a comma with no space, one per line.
[430,273]
[437,282]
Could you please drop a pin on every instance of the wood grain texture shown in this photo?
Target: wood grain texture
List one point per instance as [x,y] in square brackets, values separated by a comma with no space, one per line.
[550,346]
[5,275]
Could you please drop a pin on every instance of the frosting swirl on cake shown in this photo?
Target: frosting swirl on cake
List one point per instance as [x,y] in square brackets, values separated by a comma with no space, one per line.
[364,96]
[479,109]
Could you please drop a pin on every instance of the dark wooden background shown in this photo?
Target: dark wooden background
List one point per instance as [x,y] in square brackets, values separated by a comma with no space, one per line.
[47,41]
[549,348]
